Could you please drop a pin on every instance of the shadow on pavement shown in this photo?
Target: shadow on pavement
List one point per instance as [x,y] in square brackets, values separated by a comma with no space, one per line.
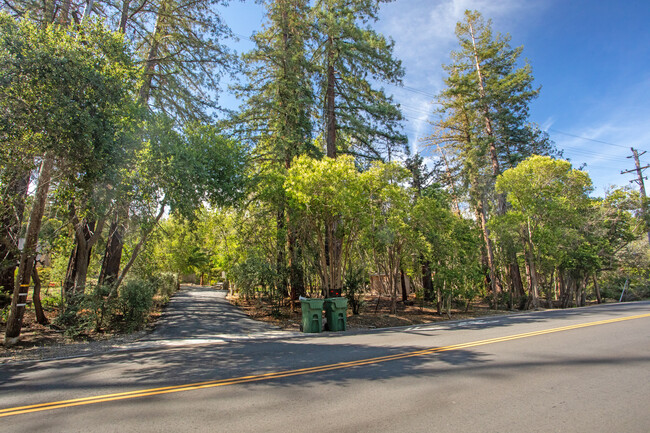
[195,312]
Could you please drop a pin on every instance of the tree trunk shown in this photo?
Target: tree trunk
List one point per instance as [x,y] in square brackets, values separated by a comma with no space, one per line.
[82,268]
[549,291]
[427,281]
[138,247]
[394,283]
[65,12]
[76,259]
[516,283]
[152,57]
[86,235]
[567,298]
[597,290]
[405,295]
[449,296]
[565,290]
[330,101]
[28,254]
[12,217]
[281,256]
[494,286]
[450,180]
[573,287]
[581,287]
[333,253]
[113,254]
[36,297]
[296,278]
[124,16]
[533,289]
[515,277]
[70,274]
[438,298]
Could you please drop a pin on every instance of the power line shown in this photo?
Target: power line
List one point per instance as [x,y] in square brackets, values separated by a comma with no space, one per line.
[585,138]
[412,89]
[592,153]
[415,110]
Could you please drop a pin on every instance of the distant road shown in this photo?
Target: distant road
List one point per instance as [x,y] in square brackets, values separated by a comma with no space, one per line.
[579,370]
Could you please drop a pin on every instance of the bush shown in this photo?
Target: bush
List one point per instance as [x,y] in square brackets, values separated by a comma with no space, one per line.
[102,307]
[255,273]
[78,316]
[166,285]
[354,288]
[51,301]
[4,314]
[135,301]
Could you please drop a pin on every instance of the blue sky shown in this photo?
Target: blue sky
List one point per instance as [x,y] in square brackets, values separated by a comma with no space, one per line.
[591,57]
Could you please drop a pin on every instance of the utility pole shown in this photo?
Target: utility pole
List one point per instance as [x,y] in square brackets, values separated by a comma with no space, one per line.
[639,172]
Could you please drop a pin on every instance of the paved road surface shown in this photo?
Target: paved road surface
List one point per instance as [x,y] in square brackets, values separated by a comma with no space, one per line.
[202,313]
[580,370]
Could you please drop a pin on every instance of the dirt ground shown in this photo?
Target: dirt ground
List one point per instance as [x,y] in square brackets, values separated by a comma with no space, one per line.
[373,315]
[38,341]
[42,341]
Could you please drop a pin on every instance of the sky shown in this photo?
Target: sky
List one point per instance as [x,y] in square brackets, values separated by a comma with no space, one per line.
[590,57]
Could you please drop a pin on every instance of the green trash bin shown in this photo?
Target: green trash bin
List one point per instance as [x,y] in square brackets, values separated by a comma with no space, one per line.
[312,315]
[336,313]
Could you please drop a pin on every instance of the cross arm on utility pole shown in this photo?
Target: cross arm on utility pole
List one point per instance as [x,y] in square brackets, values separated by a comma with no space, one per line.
[639,180]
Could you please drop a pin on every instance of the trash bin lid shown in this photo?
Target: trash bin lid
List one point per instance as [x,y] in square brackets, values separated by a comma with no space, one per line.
[337,302]
[311,302]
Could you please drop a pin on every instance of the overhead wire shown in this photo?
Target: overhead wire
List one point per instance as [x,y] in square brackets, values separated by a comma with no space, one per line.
[586,138]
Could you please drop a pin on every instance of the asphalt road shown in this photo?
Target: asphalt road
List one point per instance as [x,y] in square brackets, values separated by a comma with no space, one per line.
[202,313]
[579,370]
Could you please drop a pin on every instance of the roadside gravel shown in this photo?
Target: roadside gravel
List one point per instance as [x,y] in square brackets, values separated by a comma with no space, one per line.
[69,350]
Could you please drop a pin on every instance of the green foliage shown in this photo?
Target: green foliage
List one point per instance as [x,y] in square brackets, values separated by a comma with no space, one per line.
[354,288]
[4,314]
[252,274]
[102,308]
[549,200]
[183,170]
[81,313]
[73,87]
[451,244]
[328,198]
[181,45]
[278,111]
[134,302]
[348,56]
[166,285]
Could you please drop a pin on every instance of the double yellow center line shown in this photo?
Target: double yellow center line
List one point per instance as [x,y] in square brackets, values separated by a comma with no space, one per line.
[281,374]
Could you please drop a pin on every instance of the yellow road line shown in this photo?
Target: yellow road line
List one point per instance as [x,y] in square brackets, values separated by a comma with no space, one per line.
[301,371]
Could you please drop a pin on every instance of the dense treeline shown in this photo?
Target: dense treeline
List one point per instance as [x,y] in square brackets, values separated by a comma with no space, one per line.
[118,178]
[109,121]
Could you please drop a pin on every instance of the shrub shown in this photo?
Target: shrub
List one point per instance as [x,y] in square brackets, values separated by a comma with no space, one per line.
[354,288]
[78,316]
[135,301]
[166,285]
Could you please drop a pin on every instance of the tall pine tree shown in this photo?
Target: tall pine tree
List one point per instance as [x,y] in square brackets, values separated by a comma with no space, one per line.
[357,117]
[277,117]
[484,119]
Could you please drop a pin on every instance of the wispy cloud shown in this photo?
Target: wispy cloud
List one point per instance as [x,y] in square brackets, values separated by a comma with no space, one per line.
[603,140]
[423,31]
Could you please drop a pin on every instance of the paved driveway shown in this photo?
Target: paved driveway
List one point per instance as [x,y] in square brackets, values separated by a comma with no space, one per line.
[198,313]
